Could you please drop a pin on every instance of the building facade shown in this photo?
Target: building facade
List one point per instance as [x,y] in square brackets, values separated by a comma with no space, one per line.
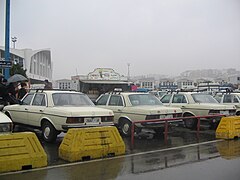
[99,81]
[37,63]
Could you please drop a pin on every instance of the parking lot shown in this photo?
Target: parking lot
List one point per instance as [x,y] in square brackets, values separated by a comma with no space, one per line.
[156,141]
[184,156]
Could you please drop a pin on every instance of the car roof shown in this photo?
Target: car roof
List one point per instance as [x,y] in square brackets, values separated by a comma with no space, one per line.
[182,93]
[126,93]
[52,91]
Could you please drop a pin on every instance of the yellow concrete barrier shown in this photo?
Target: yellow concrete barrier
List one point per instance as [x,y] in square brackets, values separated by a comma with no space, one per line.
[228,128]
[21,151]
[90,143]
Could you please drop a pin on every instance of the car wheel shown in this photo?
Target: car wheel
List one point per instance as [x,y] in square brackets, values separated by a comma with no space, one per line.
[49,132]
[190,123]
[125,127]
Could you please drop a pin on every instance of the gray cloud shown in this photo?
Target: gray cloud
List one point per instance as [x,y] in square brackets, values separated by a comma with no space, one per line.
[156,36]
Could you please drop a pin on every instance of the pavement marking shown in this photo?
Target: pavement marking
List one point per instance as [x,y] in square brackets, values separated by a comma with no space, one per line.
[110,158]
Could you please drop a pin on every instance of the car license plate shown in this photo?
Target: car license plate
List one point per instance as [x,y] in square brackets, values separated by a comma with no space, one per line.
[92,120]
[224,112]
[168,116]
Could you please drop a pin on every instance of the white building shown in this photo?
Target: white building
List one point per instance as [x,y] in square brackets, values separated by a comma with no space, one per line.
[234,79]
[185,84]
[146,83]
[93,84]
[38,63]
[68,84]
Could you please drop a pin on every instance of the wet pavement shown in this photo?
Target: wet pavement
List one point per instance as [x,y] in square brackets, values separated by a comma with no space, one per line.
[185,156]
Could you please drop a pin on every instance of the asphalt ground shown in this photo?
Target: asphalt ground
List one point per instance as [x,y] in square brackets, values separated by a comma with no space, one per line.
[183,156]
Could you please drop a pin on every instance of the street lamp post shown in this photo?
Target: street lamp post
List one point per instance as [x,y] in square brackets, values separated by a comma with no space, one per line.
[128,64]
[7,30]
[14,40]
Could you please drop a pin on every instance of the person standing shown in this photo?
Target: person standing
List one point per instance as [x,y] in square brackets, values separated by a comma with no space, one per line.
[48,85]
[12,90]
[22,91]
[3,92]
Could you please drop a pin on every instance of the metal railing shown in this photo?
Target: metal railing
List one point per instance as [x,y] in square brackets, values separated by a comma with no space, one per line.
[166,123]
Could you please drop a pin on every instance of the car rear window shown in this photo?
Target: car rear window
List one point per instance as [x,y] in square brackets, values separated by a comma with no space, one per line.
[204,98]
[144,99]
[71,99]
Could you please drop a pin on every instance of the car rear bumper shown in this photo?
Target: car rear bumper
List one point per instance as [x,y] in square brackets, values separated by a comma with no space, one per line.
[66,127]
[160,124]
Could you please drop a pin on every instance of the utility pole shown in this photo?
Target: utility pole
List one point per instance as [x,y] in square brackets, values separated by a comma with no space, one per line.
[128,64]
[7,31]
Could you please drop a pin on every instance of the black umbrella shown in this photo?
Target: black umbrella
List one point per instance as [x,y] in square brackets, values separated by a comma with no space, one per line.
[16,78]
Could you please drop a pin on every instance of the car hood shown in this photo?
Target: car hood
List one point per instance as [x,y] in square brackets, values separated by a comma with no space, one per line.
[211,106]
[79,111]
[153,109]
[4,118]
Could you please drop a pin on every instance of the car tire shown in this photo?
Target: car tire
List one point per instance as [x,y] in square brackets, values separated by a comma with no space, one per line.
[125,127]
[49,132]
[190,123]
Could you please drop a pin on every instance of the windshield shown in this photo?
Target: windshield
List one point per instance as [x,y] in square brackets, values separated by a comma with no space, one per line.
[144,99]
[71,99]
[204,98]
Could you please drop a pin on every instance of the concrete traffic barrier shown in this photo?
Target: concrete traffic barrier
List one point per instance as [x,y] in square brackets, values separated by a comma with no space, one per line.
[91,143]
[228,128]
[21,151]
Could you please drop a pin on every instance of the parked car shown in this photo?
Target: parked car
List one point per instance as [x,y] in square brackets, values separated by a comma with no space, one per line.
[232,98]
[56,111]
[135,106]
[6,125]
[197,104]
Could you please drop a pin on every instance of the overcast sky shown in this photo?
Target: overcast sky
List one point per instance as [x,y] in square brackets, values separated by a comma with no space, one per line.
[154,36]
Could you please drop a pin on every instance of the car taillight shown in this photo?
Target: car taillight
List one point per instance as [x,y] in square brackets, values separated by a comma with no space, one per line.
[71,120]
[214,112]
[156,116]
[107,119]
[177,115]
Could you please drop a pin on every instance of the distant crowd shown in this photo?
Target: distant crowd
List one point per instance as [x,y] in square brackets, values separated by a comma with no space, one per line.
[13,92]
[10,93]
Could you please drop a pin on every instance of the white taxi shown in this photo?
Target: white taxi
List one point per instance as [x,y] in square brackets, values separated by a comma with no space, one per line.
[130,107]
[55,111]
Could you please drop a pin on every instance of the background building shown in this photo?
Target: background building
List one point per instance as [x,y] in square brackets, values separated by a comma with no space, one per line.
[93,84]
[38,63]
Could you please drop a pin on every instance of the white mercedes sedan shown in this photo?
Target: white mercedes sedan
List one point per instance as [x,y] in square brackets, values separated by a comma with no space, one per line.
[55,111]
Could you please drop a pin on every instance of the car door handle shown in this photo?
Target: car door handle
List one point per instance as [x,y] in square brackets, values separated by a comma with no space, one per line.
[183,106]
[119,110]
[41,110]
[26,109]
